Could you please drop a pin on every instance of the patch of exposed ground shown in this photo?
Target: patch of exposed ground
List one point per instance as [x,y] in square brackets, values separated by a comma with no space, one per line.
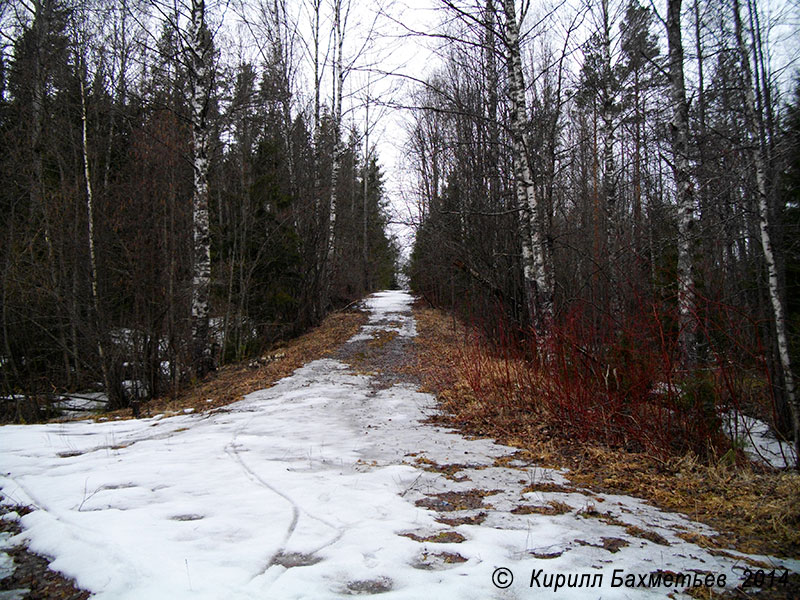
[612,544]
[788,589]
[476,519]
[553,507]
[31,571]
[452,472]
[387,357]
[452,501]
[431,561]
[295,559]
[441,537]
[369,587]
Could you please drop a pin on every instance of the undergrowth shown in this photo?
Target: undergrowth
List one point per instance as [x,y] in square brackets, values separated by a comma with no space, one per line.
[232,382]
[621,416]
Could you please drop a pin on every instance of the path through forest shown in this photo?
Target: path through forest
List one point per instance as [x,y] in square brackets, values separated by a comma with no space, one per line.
[331,484]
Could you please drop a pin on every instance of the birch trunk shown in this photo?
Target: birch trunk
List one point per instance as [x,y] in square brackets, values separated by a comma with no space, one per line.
[492,101]
[684,197]
[313,296]
[365,238]
[539,296]
[199,57]
[338,83]
[99,330]
[607,134]
[752,119]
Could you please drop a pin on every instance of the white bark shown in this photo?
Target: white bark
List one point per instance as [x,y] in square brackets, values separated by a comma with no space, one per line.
[198,48]
[607,126]
[365,239]
[538,291]
[684,196]
[752,121]
[90,239]
[490,65]
[338,84]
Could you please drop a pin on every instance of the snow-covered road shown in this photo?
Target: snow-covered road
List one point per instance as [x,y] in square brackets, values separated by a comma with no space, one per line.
[306,489]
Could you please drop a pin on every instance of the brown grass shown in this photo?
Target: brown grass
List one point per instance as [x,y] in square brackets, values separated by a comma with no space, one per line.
[443,537]
[554,507]
[232,382]
[756,510]
[453,501]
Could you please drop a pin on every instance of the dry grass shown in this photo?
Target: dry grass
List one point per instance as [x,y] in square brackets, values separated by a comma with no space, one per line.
[756,510]
[453,501]
[476,519]
[554,507]
[428,559]
[232,382]
[382,337]
[443,537]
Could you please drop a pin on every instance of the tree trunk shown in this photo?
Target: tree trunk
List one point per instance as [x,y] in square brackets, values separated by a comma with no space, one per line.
[338,84]
[365,221]
[752,119]
[492,101]
[98,327]
[539,296]
[683,191]
[199,57]
[607,135]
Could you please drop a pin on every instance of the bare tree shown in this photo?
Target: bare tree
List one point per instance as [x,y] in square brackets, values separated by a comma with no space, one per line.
[100,330]
[685,199]
[756,148]
[537,285]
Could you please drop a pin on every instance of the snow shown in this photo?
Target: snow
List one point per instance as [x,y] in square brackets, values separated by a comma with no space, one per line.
[7,567]
[758,440]
[81,403]
[388,312]
[303,491]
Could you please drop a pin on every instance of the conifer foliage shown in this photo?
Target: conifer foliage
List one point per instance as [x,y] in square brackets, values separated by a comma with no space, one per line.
[166,205]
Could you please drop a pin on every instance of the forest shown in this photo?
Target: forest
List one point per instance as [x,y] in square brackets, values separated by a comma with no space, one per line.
[608,190]
[171,202]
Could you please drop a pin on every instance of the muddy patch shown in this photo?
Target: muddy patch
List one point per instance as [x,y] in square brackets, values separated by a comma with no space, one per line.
[367,587]
[476,519]
[295,559]
[442,537]
[433,561]
[452,501]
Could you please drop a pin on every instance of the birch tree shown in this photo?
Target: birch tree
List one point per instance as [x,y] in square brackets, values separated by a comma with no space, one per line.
[683,191]
[755,149]
[539,295]
[80,65]
[340,14]
[198,48]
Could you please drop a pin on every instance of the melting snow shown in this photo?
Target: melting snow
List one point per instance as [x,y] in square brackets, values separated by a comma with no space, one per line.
[304,490]
[759,441]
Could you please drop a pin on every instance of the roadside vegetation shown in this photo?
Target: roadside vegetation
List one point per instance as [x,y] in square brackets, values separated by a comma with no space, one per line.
[495,390]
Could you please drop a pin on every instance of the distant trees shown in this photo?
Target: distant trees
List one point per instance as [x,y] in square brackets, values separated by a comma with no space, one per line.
[167,199]
[655,183]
